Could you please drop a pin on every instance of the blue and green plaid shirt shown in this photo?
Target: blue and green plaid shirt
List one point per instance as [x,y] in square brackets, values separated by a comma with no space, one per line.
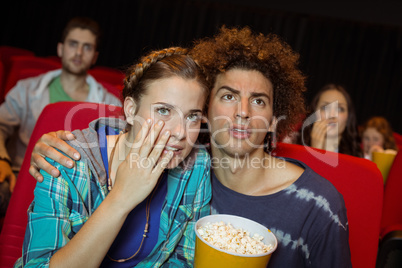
[61,207]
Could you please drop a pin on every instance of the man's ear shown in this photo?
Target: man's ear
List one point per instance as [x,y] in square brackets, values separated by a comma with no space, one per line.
[60,49]
[273,125]
[130,108]
[95,58]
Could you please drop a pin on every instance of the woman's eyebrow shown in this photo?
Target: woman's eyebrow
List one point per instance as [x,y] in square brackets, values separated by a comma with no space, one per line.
[172,107]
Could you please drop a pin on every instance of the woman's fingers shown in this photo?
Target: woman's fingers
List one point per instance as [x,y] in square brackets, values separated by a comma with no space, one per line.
[148,146]
[140,137]
[150,139]
[318,134]
[159,147]
[163,163]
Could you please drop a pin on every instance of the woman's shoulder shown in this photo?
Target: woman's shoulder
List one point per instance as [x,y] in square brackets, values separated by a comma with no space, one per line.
[77,171]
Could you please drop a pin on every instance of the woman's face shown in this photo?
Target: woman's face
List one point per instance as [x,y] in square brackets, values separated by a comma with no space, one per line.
[179,103]
[333,107]
[372,137]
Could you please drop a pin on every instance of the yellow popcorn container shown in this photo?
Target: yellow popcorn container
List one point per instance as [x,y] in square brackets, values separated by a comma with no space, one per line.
[209,256]
[384,162]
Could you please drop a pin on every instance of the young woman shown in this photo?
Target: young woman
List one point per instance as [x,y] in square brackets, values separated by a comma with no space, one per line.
[333,126]
[377,135]
[133,198]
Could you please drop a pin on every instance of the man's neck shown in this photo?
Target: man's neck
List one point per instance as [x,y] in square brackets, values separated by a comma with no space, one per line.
[255,174]
[75,86]
[241,173]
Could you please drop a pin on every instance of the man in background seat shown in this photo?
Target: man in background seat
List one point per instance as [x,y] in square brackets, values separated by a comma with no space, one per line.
[78,50]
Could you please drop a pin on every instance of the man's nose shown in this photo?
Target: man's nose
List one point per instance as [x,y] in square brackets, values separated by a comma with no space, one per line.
[79,50]
[243,109]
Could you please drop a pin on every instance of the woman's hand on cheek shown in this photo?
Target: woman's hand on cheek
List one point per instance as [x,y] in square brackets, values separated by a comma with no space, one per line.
[138,174]
[318,134]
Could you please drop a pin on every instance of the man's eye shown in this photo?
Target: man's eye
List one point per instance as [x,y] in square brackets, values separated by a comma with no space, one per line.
[259,102]
[228,97]
[88,47]
[163,111]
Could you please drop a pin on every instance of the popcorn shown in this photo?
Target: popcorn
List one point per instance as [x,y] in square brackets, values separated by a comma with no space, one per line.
[230,239]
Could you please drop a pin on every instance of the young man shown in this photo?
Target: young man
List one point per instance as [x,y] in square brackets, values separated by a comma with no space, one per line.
[255,79]
[78,50]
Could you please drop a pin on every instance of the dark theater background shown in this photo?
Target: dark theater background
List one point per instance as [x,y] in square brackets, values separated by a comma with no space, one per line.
[356,44]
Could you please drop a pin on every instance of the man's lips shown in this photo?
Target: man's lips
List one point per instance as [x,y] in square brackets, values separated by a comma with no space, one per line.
[240,132]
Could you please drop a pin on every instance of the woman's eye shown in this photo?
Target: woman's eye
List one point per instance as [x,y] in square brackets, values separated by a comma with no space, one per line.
[194,117]
[163,111]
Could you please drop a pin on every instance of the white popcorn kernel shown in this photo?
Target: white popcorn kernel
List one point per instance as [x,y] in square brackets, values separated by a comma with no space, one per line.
[226,237]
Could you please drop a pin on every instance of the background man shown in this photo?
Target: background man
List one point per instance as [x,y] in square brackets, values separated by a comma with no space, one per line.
[78,50]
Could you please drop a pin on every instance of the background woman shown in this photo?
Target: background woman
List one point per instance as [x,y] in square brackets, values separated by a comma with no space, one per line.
[377,135]
[118,206]
[333,124]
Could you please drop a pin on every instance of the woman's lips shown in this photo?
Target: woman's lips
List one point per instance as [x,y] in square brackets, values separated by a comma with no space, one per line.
[175,149]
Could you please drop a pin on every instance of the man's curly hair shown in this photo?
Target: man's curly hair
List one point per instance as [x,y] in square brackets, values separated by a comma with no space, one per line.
[242,49]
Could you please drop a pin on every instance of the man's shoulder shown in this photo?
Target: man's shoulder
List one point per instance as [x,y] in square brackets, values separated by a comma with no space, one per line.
[30,83]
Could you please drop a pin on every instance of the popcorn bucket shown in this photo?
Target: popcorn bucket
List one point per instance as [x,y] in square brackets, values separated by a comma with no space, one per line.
[210,256]
[384,162]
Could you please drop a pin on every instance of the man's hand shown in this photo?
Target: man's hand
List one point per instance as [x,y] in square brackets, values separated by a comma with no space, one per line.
[45,147]
[6,173]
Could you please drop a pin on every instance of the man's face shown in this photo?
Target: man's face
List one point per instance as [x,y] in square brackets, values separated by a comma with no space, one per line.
[240,112]
[78,52]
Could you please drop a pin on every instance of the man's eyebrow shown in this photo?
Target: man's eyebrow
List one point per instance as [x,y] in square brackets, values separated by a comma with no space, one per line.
[258,94]
[253,94]
[77,42]
[229,89]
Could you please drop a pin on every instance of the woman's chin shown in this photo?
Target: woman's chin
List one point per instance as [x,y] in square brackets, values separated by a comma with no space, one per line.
[174,162]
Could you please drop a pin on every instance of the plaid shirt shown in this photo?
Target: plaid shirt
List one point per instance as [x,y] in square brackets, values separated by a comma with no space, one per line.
[61,207]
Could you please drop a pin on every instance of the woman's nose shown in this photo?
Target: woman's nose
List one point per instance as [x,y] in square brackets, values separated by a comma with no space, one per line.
[178,129]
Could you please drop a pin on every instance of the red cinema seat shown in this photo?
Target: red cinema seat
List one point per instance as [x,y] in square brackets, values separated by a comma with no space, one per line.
[20,66]
[6,53]
[391,222]
[2,76]
[111,79]
[360,182]
[107,74]
[398,140]
[56,116]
